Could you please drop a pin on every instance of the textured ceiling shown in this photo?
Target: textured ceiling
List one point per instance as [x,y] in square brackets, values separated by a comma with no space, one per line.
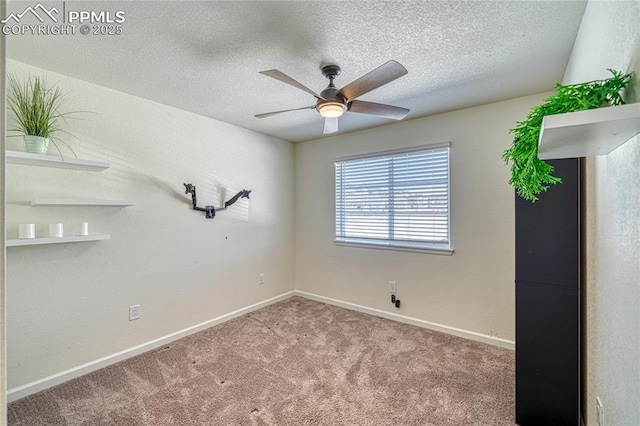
[204,57]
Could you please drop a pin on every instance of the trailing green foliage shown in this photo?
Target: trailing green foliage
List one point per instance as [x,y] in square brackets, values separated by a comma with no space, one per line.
[530,175]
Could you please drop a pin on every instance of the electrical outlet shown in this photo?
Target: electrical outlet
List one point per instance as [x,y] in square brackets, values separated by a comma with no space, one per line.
[599,412]
[134,312]
[393,287]
[261,279]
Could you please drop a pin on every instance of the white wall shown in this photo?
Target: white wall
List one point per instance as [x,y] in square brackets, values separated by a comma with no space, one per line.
[609,37]
[67,304]
[471,290]
[3,347]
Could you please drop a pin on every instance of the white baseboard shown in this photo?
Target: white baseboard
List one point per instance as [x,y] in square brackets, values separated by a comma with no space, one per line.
[471,335]
[56,379]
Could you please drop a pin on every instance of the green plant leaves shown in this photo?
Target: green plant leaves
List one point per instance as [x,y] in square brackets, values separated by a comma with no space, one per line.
[35,107]
[531,176]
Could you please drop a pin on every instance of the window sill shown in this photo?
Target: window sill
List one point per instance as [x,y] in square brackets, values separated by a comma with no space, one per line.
[397,247]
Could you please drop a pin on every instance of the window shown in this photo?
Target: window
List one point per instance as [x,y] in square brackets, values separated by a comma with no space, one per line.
[395,199]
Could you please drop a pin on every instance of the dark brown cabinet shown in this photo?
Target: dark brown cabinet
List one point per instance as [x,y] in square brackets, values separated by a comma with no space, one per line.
[548,302]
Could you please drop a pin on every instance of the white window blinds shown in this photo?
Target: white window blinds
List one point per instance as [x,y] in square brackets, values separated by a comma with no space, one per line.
[394,199]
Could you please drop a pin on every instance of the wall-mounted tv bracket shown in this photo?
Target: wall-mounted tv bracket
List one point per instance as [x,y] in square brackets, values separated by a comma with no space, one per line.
[210,211]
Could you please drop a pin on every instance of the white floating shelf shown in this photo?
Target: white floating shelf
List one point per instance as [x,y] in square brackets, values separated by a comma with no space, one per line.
[62,240]
[588,133]
[71,202]
[28,159]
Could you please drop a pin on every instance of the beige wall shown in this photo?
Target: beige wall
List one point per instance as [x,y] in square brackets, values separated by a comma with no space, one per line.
[609,37]
[473,289]
[67,304]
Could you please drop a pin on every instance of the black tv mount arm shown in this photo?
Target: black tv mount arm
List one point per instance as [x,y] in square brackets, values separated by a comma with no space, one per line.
[210,211]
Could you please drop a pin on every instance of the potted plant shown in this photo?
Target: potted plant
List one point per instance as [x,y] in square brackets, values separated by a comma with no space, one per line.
[36,112]
[530,175]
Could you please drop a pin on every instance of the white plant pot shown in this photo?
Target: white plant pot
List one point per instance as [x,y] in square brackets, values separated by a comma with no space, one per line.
[36,144]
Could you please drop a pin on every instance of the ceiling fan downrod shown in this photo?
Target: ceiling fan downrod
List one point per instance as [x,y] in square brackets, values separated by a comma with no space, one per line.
[334,104]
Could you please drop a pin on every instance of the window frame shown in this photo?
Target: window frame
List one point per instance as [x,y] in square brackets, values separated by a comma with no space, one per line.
[390,244]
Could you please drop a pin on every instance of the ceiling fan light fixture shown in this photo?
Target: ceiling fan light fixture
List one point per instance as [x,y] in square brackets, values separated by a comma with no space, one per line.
[331,109]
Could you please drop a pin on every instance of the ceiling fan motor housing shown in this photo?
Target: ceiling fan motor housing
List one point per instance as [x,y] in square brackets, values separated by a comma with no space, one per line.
[334,104]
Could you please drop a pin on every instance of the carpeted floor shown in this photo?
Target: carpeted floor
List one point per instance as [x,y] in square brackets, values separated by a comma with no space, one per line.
[297,362]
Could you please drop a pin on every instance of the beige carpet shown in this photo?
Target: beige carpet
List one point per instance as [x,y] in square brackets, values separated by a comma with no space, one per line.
[297,362]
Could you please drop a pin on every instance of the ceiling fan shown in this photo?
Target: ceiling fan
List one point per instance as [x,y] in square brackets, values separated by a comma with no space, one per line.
[332,103]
